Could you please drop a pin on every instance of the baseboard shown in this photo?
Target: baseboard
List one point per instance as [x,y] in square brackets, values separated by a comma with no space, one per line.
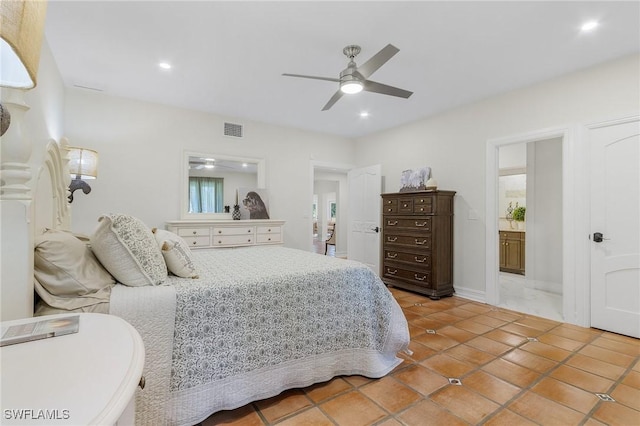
[471,294]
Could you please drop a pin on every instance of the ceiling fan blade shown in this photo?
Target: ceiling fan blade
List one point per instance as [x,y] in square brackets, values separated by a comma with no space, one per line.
[333,100]
[377,60]
[372,86]
[336,80]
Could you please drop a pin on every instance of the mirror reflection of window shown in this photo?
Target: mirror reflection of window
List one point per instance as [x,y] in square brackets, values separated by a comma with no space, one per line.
[206,195]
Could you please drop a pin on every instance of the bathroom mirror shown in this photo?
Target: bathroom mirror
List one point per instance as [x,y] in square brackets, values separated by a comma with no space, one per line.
[210,182]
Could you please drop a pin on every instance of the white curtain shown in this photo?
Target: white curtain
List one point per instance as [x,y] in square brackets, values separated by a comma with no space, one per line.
[205,194]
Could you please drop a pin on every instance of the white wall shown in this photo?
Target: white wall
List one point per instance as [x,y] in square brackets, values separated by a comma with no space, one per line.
[454,144]
[126,132]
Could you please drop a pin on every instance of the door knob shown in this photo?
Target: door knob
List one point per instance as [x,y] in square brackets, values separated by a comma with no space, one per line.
[376,229]
[598,237]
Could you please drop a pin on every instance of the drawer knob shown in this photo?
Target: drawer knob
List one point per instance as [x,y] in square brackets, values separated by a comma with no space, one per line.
[420,243]
[404,205]
[421,209]
[420,225]
[194,243]
[219,242]
[269,230]
[392,272]
[392,255]
[392,223]
[268,239]
[392,239]
[424,259]
[194,232]
[389,210]
[424,277]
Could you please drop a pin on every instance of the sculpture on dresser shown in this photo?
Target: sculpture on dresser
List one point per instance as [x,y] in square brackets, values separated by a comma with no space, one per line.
[415,180]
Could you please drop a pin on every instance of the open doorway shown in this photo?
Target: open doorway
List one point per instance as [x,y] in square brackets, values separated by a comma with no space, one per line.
[329,209]
[530,213]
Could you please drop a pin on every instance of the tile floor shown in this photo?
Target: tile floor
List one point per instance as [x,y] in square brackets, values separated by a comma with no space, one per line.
[474,364]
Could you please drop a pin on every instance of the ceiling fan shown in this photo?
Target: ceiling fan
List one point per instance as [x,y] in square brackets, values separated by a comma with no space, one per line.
[354,79]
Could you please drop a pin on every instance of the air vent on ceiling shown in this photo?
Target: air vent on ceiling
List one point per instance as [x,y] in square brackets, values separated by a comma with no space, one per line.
[234,130]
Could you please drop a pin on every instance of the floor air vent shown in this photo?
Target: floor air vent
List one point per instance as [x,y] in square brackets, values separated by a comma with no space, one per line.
[234,130]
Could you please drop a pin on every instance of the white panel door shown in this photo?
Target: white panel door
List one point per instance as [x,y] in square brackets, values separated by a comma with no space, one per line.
[365,185]
[615,228]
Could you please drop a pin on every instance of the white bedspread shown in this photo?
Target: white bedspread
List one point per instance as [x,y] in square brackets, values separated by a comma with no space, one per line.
[264,319]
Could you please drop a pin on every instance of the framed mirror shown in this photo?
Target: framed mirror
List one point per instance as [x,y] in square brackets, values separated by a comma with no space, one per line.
[210,182]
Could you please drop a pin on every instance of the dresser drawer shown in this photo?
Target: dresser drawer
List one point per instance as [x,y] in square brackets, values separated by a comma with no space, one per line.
[269,230]
[193,232]
[421,241]
[232,240]
[422,259]
[203,241]
[233,230]
[417,224]
[421,278]
[268,238]
[423,204]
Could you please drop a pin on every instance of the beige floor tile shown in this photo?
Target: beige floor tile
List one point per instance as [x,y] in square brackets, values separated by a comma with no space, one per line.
[353,409]
[488,345]
[632,379]
[390,394]
[612,413]
[607,355]
[631,348]
[427,412]
[310,417]
[357,381]
[464,403]
[582,379]
[627,395]
[580,334]
[512,373]
[508,418]
[506,337]
[436,341]
[470,355]
[529,360]
[473,326]
[447,366]
[455,333]
[422,379]
[560,342]
[596,366]
[490,321]
[544,411]
[566,394]
[490,386]
[547,351]
[522,330]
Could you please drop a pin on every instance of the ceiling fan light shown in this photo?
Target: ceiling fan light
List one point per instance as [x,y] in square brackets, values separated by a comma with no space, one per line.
[351,87]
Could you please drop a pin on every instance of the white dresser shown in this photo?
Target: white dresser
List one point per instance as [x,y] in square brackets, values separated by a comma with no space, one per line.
[84,378]
[228,233]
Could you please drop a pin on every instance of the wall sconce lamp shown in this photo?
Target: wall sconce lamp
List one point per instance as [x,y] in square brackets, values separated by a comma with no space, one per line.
[83,165]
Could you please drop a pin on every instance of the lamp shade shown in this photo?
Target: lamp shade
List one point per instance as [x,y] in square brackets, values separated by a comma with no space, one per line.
[21,29]
[83,163]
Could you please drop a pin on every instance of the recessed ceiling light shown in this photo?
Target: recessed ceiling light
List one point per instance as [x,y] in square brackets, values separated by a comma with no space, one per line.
[364,114]
[165,65]
[589,26]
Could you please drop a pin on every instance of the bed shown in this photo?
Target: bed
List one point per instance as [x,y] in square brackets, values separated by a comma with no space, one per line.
[228,326]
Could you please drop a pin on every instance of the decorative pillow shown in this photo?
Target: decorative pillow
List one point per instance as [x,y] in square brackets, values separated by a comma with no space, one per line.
[127,248]
[67,274]
[176,253]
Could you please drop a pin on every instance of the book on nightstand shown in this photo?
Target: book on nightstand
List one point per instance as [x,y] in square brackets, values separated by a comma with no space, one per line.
[37,330]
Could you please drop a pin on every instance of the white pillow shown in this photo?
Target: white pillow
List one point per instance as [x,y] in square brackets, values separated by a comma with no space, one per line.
[67,274]
[176,253]
[127,248]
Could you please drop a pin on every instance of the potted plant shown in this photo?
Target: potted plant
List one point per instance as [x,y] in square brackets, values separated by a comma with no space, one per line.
[519,214]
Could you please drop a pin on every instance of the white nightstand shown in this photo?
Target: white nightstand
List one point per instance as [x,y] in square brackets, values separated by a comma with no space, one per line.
[85,378]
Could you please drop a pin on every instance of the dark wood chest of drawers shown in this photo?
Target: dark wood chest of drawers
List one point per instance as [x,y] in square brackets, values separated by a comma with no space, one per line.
[417,241]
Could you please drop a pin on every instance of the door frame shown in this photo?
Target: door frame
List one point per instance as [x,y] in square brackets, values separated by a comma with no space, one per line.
[575,247]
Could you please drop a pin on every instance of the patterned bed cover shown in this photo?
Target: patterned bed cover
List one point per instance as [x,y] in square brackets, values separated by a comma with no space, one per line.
[261,320]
